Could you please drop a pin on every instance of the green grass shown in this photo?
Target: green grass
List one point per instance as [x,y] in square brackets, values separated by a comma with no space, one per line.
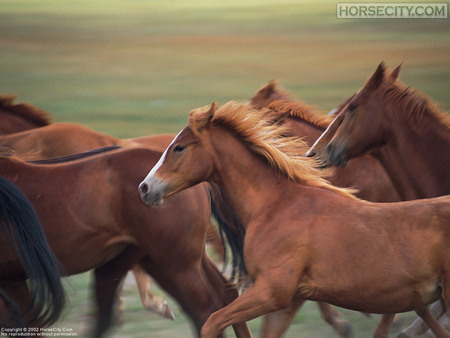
[132,68]
[140,323]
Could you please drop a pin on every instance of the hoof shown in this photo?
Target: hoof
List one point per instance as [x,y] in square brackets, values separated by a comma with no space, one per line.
[346,331]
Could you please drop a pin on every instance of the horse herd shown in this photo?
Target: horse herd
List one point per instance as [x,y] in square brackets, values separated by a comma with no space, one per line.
[371,234]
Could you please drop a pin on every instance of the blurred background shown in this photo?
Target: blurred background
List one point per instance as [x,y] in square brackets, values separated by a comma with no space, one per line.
[138,67]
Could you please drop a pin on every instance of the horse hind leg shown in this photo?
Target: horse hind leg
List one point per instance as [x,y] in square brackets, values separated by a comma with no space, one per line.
[418,327]
[434,325]
[333,317]
[148,299]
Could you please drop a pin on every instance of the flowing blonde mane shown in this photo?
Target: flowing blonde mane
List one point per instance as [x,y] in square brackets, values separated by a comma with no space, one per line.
[257,129]
[415,105]
[301,111]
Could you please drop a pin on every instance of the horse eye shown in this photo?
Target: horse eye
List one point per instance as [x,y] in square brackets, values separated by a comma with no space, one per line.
[179,148]
[351,108]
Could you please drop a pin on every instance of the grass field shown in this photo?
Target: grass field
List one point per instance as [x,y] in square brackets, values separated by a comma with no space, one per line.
[132,68]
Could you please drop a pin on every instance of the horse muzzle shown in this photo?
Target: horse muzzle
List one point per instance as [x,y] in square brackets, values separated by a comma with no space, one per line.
[336,155]
[152,191]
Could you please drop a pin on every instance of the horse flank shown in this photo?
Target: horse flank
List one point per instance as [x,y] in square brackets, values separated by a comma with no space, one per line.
[263,137]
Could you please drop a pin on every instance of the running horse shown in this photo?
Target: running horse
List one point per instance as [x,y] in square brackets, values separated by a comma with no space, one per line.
[369,257]
[23,240]
[365,174]
[399,126]
[93,218]
[62,139]
[29,131]
[19,117]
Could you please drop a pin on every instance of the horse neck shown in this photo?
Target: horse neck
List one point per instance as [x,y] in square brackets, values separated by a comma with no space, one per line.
[304,129]
[244,176]
[417,159]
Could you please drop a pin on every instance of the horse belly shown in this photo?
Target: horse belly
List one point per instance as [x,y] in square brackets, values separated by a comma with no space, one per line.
[373,299]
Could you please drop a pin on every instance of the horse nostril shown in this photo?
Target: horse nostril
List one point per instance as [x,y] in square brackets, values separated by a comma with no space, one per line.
[310,153]
[143,188]
[329,148]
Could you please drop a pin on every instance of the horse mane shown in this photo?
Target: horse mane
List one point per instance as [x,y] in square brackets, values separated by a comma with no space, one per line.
[33,114]
[74,157]
[11,155]
[264,137]
[415,105]
[300,110]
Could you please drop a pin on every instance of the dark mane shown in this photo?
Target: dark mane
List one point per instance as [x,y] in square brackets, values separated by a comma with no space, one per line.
[301,111]
[74,157]
[33,114]
[10,154]
[231,230]
[415,105]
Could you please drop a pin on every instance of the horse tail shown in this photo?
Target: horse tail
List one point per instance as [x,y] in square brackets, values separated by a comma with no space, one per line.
[39,262]
[231,229]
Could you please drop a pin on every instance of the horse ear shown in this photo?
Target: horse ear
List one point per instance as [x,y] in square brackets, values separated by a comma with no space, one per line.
[377,77]
[211,111]
[394,74]
[201,118]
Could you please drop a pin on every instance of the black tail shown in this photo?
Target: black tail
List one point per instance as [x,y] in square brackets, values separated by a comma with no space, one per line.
[40,265]
[231,228]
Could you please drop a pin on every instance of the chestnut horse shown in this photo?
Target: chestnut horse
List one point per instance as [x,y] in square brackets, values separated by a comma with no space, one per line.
[62,139]
[65,138]
[370,257]
[366,174]
[93,219]
[402,128]
[18,117]
[23,240]
[397,137]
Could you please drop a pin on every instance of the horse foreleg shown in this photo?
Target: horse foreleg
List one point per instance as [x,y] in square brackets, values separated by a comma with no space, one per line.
[107,280]
[259,299]
[148,299]
[434,325]
[276,323]
[333,317]
[189,285]
[225,291]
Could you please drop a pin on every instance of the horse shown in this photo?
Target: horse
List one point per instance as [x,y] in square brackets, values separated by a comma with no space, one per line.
[400,130]
[65,138]
[365,175]
[90,207]
[23,240]
[19,117]
[401,127]
[365,256]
